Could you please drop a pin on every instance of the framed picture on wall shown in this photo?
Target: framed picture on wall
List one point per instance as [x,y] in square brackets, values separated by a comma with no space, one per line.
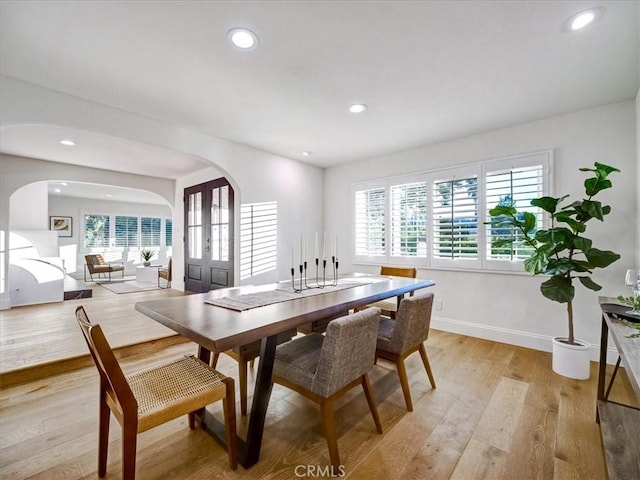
[62,225]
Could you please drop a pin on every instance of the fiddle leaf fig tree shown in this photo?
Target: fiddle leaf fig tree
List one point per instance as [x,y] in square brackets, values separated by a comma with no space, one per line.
[561,251]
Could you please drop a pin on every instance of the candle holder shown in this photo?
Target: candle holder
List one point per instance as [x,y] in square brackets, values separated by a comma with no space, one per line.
[293,279]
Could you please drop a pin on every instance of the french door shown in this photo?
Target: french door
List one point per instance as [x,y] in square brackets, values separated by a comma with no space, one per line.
[208,217]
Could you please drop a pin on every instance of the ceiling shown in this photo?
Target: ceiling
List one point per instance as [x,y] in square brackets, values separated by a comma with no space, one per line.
[429,71]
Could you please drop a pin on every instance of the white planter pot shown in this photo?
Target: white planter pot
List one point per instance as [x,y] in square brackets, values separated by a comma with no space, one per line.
[571,360]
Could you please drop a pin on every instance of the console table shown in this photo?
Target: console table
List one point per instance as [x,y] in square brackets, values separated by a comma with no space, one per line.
[147,274]
[619,424]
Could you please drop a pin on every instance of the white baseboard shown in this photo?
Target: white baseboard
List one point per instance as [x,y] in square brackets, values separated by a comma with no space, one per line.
[512,337]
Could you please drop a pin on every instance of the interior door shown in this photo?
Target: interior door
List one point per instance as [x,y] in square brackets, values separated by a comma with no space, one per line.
[209,236]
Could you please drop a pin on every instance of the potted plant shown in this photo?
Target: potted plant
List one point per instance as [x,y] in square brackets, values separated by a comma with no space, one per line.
[562,252]
[146,257]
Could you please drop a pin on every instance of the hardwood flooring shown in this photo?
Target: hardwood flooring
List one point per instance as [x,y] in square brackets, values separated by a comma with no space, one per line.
[499,412]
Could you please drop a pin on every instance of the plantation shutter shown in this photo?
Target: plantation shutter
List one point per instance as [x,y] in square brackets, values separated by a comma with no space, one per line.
[455,219]
[515,186]
[96,231]
[370,222]
[126,231]
[150,231]
[409,220]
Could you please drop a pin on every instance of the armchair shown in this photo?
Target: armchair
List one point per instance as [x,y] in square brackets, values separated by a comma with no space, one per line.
[96,265]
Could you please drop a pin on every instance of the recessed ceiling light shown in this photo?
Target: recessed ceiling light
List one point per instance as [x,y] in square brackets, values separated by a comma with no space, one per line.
[64,184]
[357,108]
[57,190]
[108,195]
[243,38]
[306,154]
[67,143]
[583,18]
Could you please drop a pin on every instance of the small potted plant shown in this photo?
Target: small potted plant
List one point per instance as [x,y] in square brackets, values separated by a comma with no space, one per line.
[564,253]
[146,257]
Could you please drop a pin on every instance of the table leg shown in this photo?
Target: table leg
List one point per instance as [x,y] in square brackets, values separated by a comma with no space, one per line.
[261,396]
[602,368]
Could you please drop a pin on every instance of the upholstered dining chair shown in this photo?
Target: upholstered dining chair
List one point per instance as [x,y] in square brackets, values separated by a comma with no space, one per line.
[148,398]
[96,265]
[166,273]
[389,306]
[400,337]
[245,356]
[322,368]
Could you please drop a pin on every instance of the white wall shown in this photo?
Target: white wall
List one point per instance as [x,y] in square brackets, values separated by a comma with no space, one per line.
[28,207]
[509,307]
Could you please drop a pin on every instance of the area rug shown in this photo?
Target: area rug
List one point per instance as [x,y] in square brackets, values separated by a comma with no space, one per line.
[129,286]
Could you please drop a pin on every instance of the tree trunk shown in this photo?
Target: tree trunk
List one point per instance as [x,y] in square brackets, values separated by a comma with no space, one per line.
[570,338]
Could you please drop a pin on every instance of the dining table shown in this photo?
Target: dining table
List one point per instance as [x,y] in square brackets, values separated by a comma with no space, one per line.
[227,318]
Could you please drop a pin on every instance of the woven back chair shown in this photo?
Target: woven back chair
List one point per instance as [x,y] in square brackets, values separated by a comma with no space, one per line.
[145,399]
[400,337]
[389,307]
[96,265]
[165,273]
[322,368]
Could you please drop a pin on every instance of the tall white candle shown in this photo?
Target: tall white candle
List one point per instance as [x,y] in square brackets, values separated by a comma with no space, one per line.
[316,246]
[292,255]
[336,248]
[324,246]
[300,249]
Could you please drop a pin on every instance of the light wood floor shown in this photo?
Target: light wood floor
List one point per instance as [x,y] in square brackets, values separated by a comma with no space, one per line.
[499,412]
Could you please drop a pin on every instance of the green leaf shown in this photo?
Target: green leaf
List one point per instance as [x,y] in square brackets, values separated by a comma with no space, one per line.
[530,222]
[548,204]
[536,263]
[582,244]
[605,168]
[590,284]
[567,217]
[601,258]
[559,289]
[502,210]
[593,208]
[594,185]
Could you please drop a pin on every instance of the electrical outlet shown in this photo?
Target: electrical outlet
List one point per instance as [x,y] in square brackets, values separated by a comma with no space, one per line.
[438,305]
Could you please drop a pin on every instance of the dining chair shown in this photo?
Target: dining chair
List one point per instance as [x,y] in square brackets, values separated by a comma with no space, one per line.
[96,265]
[166,273]
[245,356]
[400,337]
[389,307]
[148,398]
[324,367]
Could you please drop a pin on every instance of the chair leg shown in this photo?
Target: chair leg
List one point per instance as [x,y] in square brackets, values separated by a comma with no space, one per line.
[129,439]
[368,392]
[192,420]
[328,422]
[427,365]
[103,436]
[404,382]
[229,409]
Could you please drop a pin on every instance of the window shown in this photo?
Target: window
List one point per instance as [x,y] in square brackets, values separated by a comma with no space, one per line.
[96,231]
[168,232]
[455,218]
[441,218]
[258,238]
[513,182]
[409,220]
[150,232]
[126,231]
[370,215]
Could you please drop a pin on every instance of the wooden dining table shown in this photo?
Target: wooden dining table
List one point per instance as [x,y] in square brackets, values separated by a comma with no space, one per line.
[216,329]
